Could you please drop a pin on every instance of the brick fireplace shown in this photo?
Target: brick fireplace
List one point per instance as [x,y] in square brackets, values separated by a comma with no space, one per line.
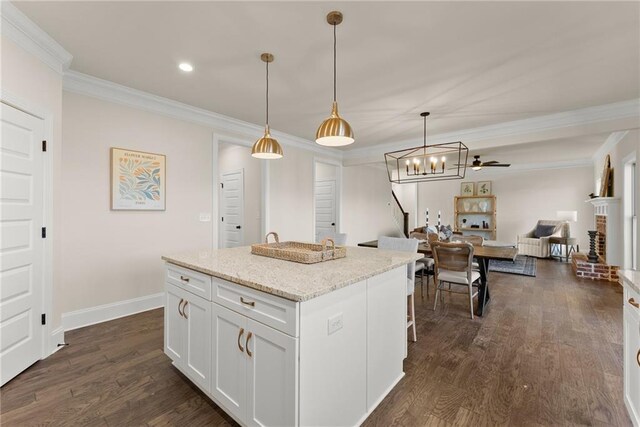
[607,224]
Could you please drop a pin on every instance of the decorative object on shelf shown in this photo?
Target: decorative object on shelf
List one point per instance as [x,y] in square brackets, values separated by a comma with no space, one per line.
[606,182]
[267,147]
[305,253]
[138,180]
[428,162]
[467,188]
[593,256]
[334,131]
[475,214]
[484,188]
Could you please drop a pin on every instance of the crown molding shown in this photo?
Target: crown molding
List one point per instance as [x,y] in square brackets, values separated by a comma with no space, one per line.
[609,144]
[17,27]
[105,90]
[629,109]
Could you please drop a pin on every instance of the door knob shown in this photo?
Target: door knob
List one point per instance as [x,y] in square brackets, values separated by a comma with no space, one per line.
[238,227]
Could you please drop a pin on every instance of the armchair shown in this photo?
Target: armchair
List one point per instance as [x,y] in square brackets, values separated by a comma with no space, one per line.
[529,244]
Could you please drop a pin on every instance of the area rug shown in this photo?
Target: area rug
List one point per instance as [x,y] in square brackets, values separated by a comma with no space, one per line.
[523,266]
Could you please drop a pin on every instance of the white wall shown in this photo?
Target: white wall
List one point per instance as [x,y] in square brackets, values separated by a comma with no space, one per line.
[110,256]
[325,171]
[291,195]
[407,195]
[366,213]
[232,158]
[522,199]
[627,146]
[26,77]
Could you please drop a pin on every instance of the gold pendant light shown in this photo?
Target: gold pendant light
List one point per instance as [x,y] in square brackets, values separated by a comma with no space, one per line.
[267,147]
[334,131]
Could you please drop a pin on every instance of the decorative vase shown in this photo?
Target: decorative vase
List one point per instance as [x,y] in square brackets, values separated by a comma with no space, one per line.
[466,206]
[484,206]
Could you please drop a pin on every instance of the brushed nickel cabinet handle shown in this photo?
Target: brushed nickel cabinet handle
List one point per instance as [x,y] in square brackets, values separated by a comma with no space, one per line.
[249,303]
[246,344]
[179,307]
[634,303]
[184,307]
[239,338]
[184,279]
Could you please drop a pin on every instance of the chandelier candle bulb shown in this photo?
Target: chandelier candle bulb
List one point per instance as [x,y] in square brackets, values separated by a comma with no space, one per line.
[444,159]
[408,167]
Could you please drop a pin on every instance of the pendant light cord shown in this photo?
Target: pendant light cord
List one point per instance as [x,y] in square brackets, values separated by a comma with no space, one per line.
[424,137]
[334,63]
[267,103]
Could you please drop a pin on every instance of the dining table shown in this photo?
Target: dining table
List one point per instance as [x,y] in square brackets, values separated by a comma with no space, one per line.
[482,254]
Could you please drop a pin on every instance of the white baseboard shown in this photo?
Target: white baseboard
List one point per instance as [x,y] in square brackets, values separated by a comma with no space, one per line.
[102,313]
[57,337]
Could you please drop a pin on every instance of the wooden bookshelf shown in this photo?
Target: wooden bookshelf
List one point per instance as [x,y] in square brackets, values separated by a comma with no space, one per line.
[475,210]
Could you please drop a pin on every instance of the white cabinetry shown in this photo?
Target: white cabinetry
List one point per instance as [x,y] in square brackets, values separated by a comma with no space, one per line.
[188,334]
[632,354]
[254,370]
[269,361]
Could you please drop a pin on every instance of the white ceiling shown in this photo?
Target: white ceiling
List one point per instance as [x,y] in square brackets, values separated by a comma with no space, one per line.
[470,64]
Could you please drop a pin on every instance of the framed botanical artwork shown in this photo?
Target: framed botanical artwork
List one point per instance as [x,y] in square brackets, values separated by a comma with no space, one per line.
[484,188]
[467,188]
[138,180]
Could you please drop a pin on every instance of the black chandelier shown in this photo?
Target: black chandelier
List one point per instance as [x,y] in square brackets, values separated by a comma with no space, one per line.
[427,162]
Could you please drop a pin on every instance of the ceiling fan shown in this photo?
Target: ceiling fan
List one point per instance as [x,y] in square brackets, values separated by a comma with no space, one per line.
[477,164]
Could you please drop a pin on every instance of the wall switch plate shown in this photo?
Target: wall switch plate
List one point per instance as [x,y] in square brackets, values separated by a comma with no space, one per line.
[205,217]
[335,323]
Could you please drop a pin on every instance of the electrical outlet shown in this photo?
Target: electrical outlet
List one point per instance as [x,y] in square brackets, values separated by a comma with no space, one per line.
[205,217]
[335,323]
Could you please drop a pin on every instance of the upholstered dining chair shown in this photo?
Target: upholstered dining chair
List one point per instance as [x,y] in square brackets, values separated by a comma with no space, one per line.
[406,245]
[453,265]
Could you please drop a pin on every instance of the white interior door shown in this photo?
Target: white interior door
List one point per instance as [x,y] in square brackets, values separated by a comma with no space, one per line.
[21,241]
[232,209]
[325,207]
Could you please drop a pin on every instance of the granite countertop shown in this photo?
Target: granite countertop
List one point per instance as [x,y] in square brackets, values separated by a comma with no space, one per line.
[291,280]
[630,278]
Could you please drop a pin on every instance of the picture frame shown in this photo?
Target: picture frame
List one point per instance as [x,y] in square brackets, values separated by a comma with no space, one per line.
[138,180]
[483,188]
[467,188]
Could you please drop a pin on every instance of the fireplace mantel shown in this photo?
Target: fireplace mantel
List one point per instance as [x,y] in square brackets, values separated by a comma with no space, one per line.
[609,207]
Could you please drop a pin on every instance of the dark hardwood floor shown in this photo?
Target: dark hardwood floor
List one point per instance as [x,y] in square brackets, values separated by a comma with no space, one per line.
[547,352]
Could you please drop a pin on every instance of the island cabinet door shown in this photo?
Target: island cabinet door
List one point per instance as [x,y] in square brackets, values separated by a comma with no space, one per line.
[229,364]
[197,360]
[174,324]
[272,377]
[632,361]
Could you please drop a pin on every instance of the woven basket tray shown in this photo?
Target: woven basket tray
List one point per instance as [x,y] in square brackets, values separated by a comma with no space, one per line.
[305,253]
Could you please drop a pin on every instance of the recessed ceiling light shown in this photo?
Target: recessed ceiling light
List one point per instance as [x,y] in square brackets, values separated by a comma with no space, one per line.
[185,66]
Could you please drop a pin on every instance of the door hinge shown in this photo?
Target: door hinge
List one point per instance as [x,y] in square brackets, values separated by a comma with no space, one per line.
[44,232]
[43,319]
[222,219]
[44,145]
[222,184]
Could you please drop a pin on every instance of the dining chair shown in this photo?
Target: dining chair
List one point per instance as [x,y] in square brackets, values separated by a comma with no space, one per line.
[453,265]
[474,240]
[406,245]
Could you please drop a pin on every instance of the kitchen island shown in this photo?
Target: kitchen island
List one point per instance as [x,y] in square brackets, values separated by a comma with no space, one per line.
[630,280]
[278,343]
